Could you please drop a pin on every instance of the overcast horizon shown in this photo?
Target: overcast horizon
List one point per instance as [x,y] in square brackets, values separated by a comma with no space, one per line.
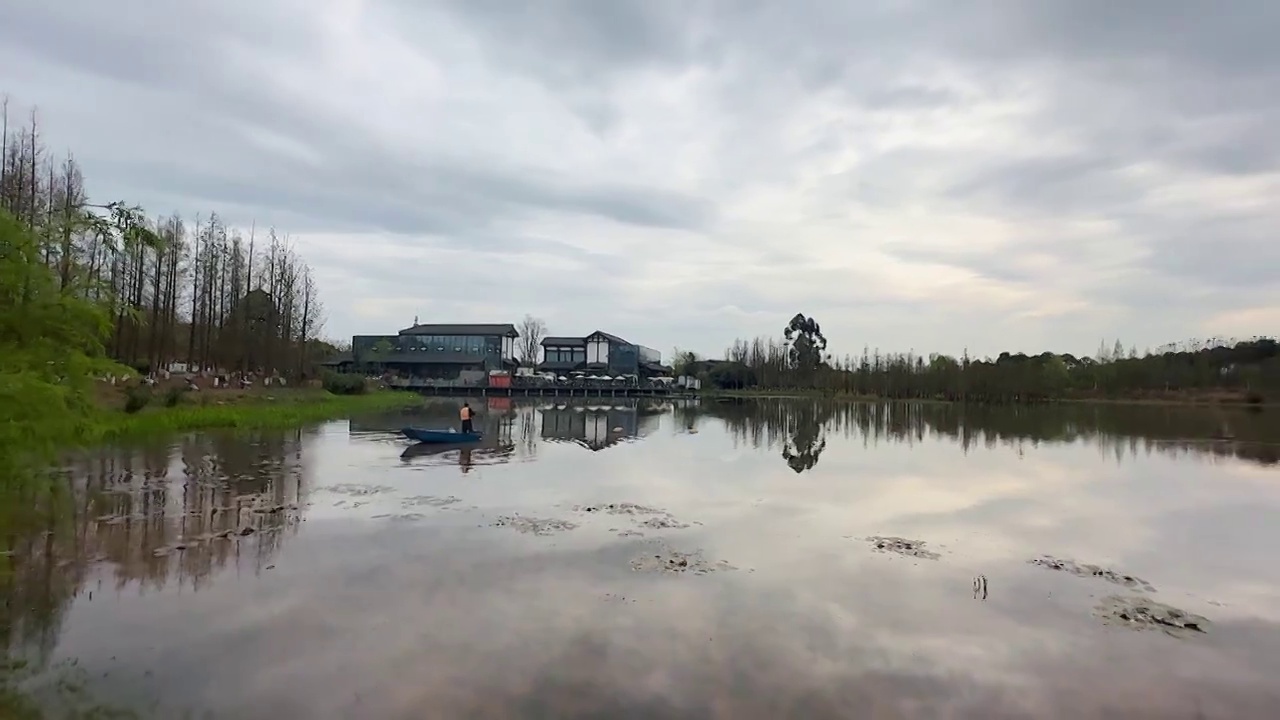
[991,175]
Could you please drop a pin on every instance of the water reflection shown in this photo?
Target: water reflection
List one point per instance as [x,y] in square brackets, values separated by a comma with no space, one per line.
[520,624]
[465,456]
[800,427]
[597,426]
[153,517]
[593,424]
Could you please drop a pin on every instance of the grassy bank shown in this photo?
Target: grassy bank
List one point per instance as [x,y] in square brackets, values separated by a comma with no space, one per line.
[257,409]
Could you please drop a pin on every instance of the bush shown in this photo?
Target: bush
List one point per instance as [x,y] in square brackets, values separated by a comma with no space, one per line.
[136,398]
[345,384]
[173,396]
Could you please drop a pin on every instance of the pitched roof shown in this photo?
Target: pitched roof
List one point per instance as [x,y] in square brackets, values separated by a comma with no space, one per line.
[563,341]
[611,338]
[463,329]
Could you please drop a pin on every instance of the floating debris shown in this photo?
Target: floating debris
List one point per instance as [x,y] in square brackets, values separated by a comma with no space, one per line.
[901,546]
[656,518]
[356,490]
[1141,613]
[668,560]
[664,522]
[625,508]
[430,501]
[630,533]
[1071,567]
[980,587]
[534,526]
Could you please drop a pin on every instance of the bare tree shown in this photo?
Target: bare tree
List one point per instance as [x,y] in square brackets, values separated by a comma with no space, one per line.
[532,330]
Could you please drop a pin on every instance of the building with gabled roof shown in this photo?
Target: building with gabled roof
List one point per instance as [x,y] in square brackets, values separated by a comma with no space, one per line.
[600,353]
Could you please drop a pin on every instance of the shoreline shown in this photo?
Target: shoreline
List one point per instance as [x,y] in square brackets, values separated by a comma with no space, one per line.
[282,407]
[1199,402]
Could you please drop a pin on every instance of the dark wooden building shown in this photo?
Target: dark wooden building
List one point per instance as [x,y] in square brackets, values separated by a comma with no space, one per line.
[600,353]
[437,351]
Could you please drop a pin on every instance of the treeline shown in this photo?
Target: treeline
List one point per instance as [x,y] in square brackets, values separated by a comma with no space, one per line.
[174,290]
[1246,370]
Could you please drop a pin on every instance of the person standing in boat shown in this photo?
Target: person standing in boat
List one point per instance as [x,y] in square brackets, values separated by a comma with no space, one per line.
[466,414]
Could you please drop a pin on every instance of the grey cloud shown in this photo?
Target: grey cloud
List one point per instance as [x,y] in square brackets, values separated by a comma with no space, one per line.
[575,41]
[167,44]
[1233,39]
[1224,251]
[435,198]
[1181,90]
[1060,184]
[363,184]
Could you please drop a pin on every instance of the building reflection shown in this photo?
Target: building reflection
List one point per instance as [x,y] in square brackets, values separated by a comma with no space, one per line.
[597,426]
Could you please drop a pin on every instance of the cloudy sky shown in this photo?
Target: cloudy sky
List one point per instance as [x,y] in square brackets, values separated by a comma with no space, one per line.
[914,174]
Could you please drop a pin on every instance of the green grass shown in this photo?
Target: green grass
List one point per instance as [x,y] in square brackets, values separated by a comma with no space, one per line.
[285,408]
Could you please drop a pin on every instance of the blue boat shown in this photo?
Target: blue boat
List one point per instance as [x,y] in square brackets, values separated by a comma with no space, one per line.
[440,436]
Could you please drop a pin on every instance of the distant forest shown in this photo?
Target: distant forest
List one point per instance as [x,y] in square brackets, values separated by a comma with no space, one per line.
[1242,371]
[174,289]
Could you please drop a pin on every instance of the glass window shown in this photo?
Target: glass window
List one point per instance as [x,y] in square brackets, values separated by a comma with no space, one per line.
[475,344]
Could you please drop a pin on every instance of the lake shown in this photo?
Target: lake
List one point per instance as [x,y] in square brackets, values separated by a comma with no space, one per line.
[769,559]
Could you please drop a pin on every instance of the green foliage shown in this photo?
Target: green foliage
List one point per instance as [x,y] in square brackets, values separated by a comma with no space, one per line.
[290,408]
[174,395]
[136,398]
[1247,371]
[806,345]
[51,346]
[344,383]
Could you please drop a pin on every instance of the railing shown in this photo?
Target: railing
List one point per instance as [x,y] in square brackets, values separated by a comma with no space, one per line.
[532,383]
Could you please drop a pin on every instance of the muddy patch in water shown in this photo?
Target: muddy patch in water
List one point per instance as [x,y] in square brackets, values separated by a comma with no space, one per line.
[654,518]
[401,517]
[356,490]
[663,559]
[1141,613]
[627,533]
[664,522]
[1085,570]
[619,509]
[430,501]
[901,546]
[534,526]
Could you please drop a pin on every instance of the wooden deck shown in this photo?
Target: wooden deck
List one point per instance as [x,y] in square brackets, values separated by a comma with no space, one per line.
[427,387]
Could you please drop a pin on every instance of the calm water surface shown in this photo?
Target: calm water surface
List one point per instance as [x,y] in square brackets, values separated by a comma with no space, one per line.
[713,561]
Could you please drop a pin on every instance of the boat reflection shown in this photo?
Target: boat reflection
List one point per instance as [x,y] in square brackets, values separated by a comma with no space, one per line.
[466,455]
